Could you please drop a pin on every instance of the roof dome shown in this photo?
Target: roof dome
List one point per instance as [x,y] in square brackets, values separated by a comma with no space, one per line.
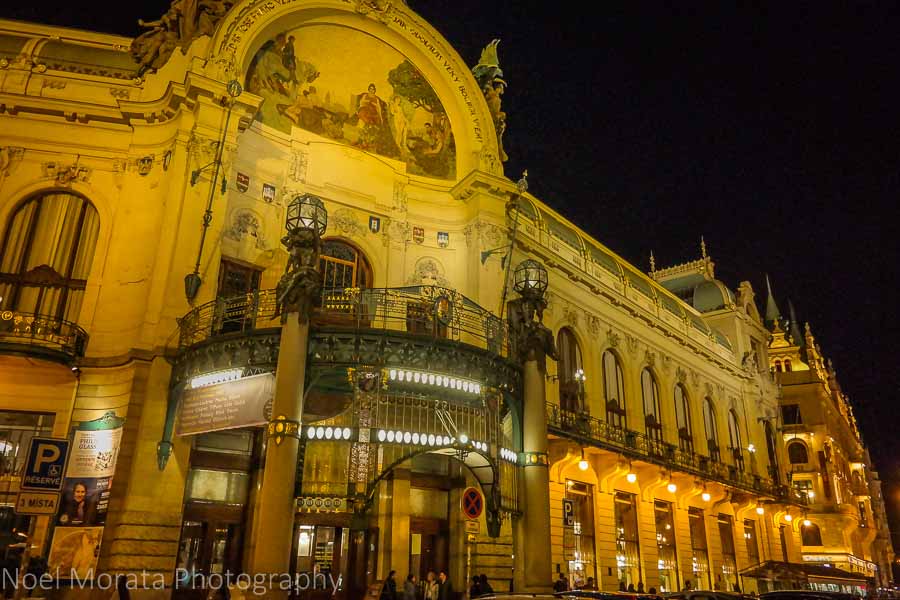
[712,295]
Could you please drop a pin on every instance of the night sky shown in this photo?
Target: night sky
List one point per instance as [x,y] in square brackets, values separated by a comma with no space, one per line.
[770,130]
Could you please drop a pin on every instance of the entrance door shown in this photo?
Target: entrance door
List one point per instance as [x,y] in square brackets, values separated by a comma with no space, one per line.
[210,544]
[429,545]
[321,561]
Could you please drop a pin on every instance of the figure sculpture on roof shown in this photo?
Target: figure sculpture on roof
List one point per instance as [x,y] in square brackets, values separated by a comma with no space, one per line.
[185,21]
[489,76]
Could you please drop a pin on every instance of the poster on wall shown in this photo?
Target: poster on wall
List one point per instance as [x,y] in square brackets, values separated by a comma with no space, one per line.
[85,497]
[74,552]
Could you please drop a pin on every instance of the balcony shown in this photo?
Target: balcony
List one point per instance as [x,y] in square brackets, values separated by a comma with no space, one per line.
[41,336]
[639,446]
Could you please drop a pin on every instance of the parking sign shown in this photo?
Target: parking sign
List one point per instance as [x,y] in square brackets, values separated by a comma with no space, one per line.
[568,513]
[45,466]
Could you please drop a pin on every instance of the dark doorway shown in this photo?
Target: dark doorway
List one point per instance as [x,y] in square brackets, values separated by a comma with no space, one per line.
[211,539]
[429,546]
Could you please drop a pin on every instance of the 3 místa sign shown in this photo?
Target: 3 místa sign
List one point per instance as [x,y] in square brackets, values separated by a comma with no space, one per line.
[37,503]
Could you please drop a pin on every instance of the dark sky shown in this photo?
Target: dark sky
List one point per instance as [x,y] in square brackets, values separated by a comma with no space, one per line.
[772,130]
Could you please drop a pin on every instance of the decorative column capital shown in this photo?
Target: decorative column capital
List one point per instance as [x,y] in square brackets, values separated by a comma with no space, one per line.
[301,282]
[281,427]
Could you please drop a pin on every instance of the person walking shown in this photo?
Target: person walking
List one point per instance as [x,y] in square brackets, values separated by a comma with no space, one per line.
[409,588]
[389,589]
[561,584]
[431,586]
[486,589]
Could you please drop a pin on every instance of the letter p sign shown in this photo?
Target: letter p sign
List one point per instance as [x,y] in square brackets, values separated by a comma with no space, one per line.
[568,513]
[46,463]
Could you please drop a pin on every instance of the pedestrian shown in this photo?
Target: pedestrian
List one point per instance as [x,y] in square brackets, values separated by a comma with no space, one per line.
[561,584]
[431,586]
[640,587]
[445,591]
[652,590]
[590,584]
[486,589]
[475,589]
[409,588]
[631,588]
[389,589]
[622,586]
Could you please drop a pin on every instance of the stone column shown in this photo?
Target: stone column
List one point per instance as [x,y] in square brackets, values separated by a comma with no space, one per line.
[296,292]
[536,474]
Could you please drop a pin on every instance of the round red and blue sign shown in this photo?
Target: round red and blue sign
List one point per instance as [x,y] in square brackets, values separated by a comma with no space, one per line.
[472,503]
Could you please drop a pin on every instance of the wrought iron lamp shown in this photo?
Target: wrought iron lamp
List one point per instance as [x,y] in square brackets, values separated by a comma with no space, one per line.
[530,279]
[306,212]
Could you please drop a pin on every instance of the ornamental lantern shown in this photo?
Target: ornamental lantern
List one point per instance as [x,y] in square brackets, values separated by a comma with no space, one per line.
[306,212]
[530,279]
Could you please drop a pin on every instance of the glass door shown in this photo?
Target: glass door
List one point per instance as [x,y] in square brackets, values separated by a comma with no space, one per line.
[210,544]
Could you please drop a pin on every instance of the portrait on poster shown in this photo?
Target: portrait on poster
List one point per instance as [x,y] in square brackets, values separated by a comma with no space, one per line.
[84,501]
[74,551]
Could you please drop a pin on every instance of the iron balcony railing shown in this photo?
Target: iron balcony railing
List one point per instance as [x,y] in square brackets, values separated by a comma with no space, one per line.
[42,335]
[423,310]
[591,430]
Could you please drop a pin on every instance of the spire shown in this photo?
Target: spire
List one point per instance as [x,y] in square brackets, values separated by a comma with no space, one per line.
[773,315]
[796,336]
[652,262]
[702,247]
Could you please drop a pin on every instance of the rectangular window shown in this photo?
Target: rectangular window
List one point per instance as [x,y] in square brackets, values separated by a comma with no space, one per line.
[628,556]
[729,556]
[752,542]
[665,541]
[16,430]
[579,540]
[699,552]
[784,552]
[790,414]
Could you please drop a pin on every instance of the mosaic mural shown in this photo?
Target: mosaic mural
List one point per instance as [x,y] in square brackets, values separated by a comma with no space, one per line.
[350,87]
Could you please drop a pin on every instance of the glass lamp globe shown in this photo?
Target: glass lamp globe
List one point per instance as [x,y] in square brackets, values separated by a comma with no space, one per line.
[306,212]
[530,279]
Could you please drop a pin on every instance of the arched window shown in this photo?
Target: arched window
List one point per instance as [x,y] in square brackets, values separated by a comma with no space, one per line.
[570,371]
[343,266]
[46,255]
[778,366]
[614,390]
[683,419]
[712,432]
[811,535]
[734,440]
[650,394]
[774,471]
[787,365]
[797,453]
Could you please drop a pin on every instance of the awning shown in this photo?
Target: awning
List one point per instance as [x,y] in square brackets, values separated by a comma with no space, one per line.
[778,570]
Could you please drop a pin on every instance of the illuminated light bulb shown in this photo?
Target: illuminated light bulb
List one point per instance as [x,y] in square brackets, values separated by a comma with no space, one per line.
[311,433]
[705,496]
[390,436]
[320,433]
[583,464]
[760,510]
[463,438]
[407,437]
[393,374]
[807,522]
[431,439]
[409,376]
[672,488]
[329,432]
[810,495]
[631,477]
[399,436]
[346,433]
[431,379]
[415,438]
[788,518]
[382,434]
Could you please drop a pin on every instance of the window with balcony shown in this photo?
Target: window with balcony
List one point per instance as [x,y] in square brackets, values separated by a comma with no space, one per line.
[652,420]
[804,487]
[811,535]
[734,440]
[614,390]
[570,371]
[797,453]
[712,431]
[46,255]
[683,419]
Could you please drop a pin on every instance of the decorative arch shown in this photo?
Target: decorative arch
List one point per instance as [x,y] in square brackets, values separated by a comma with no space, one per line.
[47,253]
[613,389]
[798,453]
[252,24]
[344,265]
[570,370]
[811,535]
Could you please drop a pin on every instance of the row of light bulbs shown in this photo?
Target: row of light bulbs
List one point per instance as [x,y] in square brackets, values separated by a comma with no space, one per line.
[328,433]
[435,379]
[217,377]
[509,455]
[417,439]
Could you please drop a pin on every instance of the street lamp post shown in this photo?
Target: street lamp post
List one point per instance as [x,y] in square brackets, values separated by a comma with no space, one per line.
[530,344]
[296,294]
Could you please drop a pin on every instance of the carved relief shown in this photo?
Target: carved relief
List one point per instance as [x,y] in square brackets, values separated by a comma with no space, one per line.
[400,197]
[398,231]
[650,358]
[631,342]
[489,76]
[709,389]
[593,323]
[299,165]
[612,337]
[65,174]
[681,375]
[245,223]
[666,363]
[695,378]
[345,222]
[10,156]
[428,272]
[379,9]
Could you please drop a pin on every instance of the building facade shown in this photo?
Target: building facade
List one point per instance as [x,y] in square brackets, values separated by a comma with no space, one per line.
[399,412]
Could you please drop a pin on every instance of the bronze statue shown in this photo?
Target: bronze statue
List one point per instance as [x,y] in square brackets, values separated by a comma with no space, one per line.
[489,76]
[529,338]
[301,282]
